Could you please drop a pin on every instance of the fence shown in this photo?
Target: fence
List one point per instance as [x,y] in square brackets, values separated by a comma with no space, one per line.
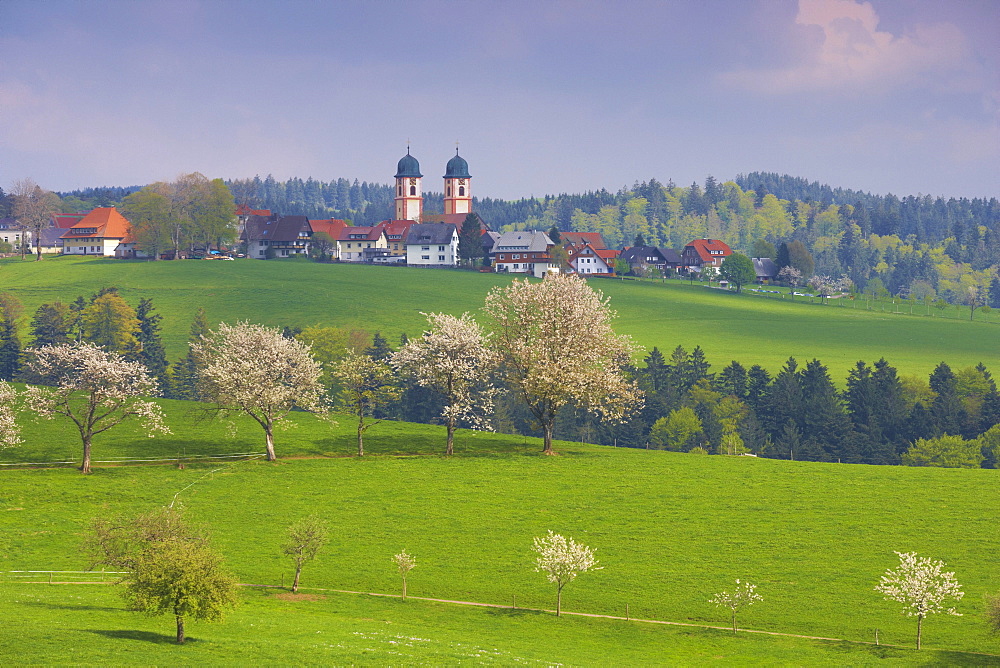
[181,459]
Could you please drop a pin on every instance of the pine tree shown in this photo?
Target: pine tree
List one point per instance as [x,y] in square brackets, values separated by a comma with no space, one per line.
[470,240]
[52,325]
[185,371]
[379,350]
[152,353]
[824,420]
[946,411]
[10,341]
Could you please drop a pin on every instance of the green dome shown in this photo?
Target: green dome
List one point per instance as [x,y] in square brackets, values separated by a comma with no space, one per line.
[457,168]
[408,167]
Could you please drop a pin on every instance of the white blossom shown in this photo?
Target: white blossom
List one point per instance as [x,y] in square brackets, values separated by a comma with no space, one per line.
[558,346]
[790,275]
[94,388]
[562,559]
[405,563]
[922,586]
[255,370]
[744,595]
[9,432]
[454,358]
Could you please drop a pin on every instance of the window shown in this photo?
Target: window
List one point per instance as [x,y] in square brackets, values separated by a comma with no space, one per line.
[440,258]
[399,190]
[516,256]
[461,191]
[449,191]
[517,266]
[425,257]
[368,246]
[423,248]
[413,190]
[440,248]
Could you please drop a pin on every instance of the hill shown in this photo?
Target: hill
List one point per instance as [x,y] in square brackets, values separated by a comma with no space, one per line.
[727,326]
[670,530]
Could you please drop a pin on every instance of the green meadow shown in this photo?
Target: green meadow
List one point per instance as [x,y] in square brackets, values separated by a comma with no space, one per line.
[751,329]
[669,529]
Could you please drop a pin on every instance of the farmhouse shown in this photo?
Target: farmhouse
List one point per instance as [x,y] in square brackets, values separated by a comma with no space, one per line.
[13,233]
[586,260]
[702,253]
[523,252]
[643,258]
[284,235]
[432,245]
[97,233]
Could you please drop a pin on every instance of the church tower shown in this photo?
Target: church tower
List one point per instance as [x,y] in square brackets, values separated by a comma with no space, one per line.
[409,198]
[457,186]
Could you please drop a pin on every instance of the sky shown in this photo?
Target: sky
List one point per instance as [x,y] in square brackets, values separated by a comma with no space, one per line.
[542,96]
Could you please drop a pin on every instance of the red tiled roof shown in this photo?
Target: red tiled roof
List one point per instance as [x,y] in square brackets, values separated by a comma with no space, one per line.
[332,226]
[456,219]
[64,221]
[704,248]
[106,221]
[244,210]
[579,238]
[370,233]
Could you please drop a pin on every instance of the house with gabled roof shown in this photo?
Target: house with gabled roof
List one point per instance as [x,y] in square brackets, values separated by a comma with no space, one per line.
[585,260]
[98,233]
[286,235]
[354,241]
[396,232]
[523,252]
[432,245]
[595,239]
[702,253]
[332,227]
[643,258]
[15,234]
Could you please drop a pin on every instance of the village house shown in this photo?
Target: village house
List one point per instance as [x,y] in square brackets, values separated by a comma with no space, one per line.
[765,268]
[432,245]
[643,258]
[523,252]
[355,241]
[100,232]
[13,233]
[702,253]
[586,260]
[284,235]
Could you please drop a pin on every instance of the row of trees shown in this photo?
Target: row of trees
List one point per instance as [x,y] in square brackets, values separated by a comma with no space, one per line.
[170,567]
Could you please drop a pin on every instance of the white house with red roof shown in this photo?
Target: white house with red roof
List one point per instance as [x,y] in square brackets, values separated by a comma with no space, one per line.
[702,253]
[98,233]
[586,260]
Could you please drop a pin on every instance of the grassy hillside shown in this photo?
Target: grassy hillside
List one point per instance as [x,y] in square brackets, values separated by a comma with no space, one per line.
[750,329]
[670,530]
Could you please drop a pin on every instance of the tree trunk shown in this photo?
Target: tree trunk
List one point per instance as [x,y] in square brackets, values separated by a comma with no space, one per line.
[920,623]
[180,630]
[85,466]
[38,248]
[295,584]
[547,450]
[451,437]
[361,432]
[734,621]
[269,436]
[558,600]
[404,587]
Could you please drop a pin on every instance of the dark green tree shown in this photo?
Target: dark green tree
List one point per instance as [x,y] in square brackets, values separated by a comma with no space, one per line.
[185,376]
[946,410]
[732,380]
[470,240]
[824,420]
[10,340]
[151,351]
[554,235]
[52,325]
[379,350]
[994,296]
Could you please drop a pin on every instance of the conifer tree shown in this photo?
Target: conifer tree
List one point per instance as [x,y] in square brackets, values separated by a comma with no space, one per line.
[10,341]
[185,375]
[151,351]
[52,325]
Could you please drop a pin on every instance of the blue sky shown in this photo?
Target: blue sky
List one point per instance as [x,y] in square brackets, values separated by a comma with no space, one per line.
[897,96]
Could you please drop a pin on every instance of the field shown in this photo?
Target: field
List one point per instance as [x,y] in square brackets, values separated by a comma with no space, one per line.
[670,530]
[751,329]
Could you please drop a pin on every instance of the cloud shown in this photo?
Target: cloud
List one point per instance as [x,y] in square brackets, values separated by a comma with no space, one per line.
[844,50]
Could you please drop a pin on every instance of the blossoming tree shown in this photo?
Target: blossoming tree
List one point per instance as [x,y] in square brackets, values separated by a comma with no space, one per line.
[558,346]
[405,563]
[366,385]
[95,389]
[454,359]
[251,369]
[743,596]
[922,586]
[562,559]
[9,432]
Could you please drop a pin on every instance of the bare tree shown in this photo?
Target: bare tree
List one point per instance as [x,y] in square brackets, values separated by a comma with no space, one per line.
[251,369]
[454,359]
[366,385]
[97,390]
[558,346]
[922,586]
[562,559]
[32,208]
[305,538]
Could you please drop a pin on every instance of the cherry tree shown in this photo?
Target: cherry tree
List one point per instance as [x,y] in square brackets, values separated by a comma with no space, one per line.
[743,596]
[251,369]
[95,389]
[454,359]
[305,538]
[405,563]
[922,586]
[562,559]
[558,346]
[9,432]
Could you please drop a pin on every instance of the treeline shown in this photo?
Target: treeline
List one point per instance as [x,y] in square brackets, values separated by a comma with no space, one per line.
[880,418]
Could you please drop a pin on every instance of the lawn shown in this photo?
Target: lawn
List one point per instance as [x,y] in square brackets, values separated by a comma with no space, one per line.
[748,328]
[670,530]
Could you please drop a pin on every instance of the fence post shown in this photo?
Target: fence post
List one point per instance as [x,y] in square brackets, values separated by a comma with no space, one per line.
[626,613]
[50,577]
[513,601]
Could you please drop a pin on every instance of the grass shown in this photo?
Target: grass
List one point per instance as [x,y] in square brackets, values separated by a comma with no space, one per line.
[670,530]
[748,328]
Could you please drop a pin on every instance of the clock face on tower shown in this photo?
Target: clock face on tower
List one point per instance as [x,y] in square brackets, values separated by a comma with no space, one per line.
[461,182]
[413,182]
